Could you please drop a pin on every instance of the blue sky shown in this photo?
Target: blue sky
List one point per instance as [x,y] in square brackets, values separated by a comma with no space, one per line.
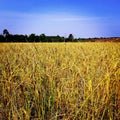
[82,18]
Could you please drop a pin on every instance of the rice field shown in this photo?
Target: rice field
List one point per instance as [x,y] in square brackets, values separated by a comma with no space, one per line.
[60,81]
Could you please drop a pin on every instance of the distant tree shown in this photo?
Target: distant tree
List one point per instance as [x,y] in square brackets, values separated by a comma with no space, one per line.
[32,38]
[43,38]
[5,32]
[9,38]
[60,39]
[19,38]
[25,38]
[70,38]
[2,39]
[37,38]
[6,35]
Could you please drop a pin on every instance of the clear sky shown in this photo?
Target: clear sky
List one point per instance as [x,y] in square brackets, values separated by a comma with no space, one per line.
[82,18]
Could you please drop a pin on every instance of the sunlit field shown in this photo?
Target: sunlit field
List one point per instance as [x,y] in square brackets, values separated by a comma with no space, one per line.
[60,81]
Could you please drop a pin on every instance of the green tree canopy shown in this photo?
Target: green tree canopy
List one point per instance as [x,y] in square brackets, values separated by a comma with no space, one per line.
[5,32]
[70,37]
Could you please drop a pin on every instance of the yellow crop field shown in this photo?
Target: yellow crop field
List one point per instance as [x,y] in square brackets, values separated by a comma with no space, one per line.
[60,81]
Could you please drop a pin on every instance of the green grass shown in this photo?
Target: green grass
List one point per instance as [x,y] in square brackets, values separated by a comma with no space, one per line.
[68,81]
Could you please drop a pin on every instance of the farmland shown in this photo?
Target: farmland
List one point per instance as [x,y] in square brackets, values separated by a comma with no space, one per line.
[54,81]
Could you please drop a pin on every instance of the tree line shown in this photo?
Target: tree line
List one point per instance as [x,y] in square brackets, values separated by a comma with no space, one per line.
[7,37]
